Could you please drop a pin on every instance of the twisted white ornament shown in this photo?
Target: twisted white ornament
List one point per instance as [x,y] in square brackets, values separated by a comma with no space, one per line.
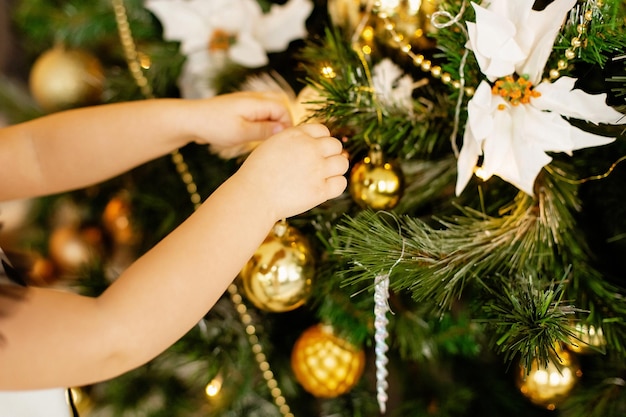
[381,307]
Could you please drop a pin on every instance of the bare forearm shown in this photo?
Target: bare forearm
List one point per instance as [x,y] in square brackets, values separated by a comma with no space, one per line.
[78,148]
[151,305]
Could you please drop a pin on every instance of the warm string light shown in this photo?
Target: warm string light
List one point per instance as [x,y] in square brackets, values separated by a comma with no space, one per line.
[135,63]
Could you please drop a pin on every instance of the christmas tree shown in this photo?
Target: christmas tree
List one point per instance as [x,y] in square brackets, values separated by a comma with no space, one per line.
[475,264]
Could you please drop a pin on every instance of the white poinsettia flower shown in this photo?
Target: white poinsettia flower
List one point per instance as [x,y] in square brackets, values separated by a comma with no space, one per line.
[510,37]
[212,32]
[392,86]
[513,123]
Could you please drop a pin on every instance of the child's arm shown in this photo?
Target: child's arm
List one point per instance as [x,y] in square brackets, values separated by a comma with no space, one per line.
[54,338]
[81,147]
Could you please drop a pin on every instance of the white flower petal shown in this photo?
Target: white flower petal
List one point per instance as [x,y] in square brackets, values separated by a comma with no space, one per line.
[180,23]
[523,167]
[480,111]
[511,154]
[548,131]
[584,139]
[492,39]
[465,164]
[248,52]
[537,34]
[283,24]
[497,145]
[195,81]
[560,96]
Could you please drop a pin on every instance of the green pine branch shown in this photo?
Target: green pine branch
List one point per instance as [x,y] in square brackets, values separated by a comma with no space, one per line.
[350,106]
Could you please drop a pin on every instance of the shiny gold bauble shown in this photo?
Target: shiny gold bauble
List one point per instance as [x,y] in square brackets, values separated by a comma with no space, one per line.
[324,364]
[548,386]
[376,183]
[279,275]
[586,339]
[71,249]
[346,13]
[66,78]
[116,219]
[411,20]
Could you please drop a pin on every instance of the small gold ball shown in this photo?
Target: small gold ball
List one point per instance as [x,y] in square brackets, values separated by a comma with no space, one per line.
[576,42]
[554,74]
[548,386]
[376,183]
[570,54]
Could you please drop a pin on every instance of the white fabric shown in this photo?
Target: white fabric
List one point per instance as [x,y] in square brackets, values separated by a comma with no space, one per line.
[40,403]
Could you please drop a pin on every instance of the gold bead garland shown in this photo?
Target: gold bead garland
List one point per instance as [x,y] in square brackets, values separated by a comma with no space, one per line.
[419,60]
[134,61]
[576,42]
[134,65]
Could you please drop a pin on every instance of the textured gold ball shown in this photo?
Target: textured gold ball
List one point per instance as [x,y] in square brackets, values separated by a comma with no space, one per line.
[279,275]
[376,183]
[324,364]
[66,78]
[548,386]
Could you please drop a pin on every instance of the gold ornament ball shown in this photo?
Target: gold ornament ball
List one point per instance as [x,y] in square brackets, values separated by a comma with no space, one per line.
[65,78]
[548,386]
[586,339]
[376,183]
[324,364]
[116,219]
[279,275]
[71,249]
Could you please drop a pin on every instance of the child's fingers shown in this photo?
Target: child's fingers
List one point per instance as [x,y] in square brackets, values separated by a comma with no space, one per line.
[337,164]
[330,146]
[315,129]
[335,186]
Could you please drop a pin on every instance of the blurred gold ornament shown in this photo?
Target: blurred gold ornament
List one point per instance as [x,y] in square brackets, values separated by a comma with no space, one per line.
[346,13]
[375,182]
[408,20]
[71,248]
[279,275]
[116,219]
[411,19]
[324,364]
[81,400]
[42,271]
[586,339]
[65,78]
[548,386]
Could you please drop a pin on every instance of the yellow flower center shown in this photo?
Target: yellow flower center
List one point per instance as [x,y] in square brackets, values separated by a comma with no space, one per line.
[515,91]
[220,40]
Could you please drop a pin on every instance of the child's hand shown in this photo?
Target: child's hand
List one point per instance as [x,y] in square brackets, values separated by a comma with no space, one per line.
[233,119]
[295,170]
